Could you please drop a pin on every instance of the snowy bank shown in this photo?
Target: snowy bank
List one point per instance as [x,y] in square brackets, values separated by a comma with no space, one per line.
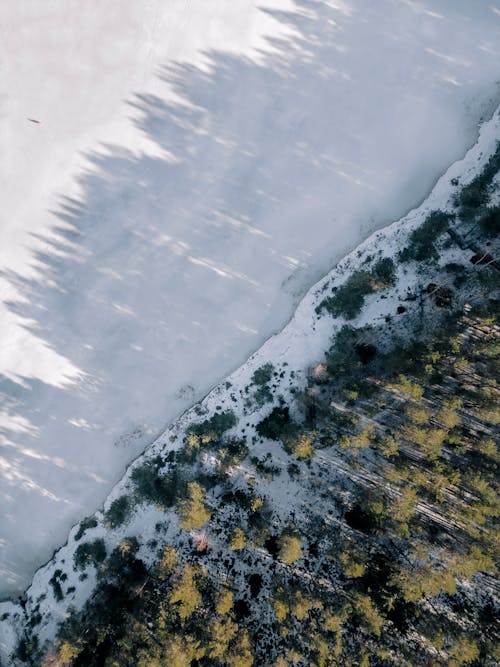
[302,343]
[197,166]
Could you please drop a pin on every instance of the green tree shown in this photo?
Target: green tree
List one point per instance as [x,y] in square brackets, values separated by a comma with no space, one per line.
[369,614]
[303,447]
[192,511]
[290,548]
[186,593]
[169,559]
[67,653]
[238,540]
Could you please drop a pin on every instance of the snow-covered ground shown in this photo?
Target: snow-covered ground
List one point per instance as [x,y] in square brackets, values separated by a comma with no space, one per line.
[293,352]
[198,164]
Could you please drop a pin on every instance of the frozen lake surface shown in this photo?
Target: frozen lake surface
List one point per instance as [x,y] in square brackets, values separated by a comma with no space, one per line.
[174,176]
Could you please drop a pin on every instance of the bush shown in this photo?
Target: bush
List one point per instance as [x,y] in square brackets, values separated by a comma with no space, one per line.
[118,512]
[225,600]
[301,606]
[67,653]
[211,430]
[263,374]
[54,581]
[489,222]
[384,272]
[475,195]
[232,453]
[151,486]
[277,425]
[349,298]
[421,246]
[89,553]
[263,395]
[205,434]
[85,524]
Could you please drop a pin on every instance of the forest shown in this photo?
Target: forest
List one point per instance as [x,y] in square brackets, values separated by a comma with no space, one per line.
[391,445]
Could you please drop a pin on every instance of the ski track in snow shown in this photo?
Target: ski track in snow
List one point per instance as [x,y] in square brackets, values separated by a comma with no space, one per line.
[197,166]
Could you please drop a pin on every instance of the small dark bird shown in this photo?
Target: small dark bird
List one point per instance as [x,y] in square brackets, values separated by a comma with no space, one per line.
[34,120]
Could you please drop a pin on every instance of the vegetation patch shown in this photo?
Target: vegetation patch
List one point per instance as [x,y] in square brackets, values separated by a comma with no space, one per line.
[89,553]
[151,485]
[55,581]
[85,524]
[348,299]
[473,197]
[489,222]
[422,241]
[382,552]
[213,428]
[277,425]
[118,512]
[261,378]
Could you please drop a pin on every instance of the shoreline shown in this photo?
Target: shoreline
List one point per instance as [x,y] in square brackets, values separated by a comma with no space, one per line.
[299,295]
[304,331]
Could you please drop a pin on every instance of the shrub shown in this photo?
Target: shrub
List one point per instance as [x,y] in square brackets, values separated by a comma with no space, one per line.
[89,553]
[232,453]
[353,569]
[404,506]
[301,606]
[85,524]
[67,653]
[370,617]
[407,387]
[489,222]
[263,374]
[464,651]
[263,395]
[256,504]
[384,273]
[363,438]
[118,512]
[389,446]
[277,425]
[476,193]
[421,246]
[54,581]
[261,377]
[348,299]
[151,486]
[213,428]
[281,610]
